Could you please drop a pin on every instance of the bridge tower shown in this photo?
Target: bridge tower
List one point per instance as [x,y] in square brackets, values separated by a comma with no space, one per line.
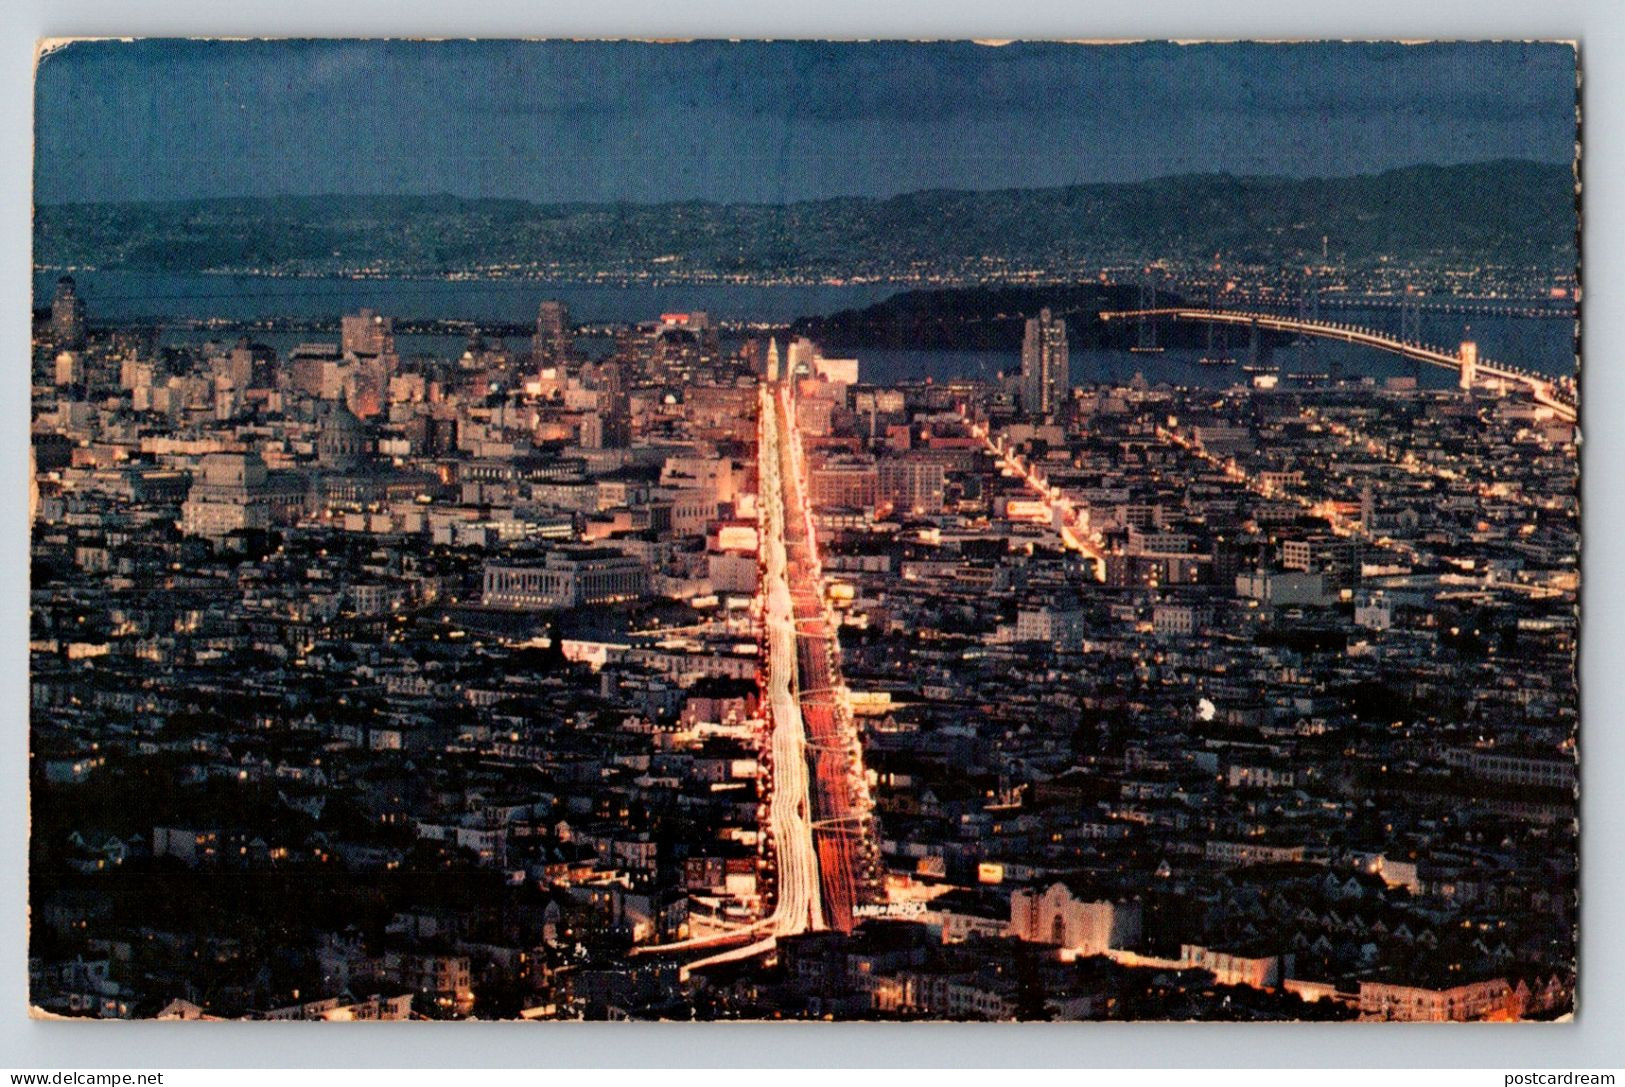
[1410,319]
[1148,325]
[1212,304]
[1469,364]
[1410,328]
[1252,343]
[1309,310]
[1213,329]
[1309,296]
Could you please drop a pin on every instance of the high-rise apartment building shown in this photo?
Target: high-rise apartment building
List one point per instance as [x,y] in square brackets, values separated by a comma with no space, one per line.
[1044,362]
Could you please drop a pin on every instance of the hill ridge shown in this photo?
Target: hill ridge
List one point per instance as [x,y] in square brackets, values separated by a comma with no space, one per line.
[1507,213]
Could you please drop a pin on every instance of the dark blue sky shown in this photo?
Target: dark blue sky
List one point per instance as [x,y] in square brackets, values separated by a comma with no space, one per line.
[555,121]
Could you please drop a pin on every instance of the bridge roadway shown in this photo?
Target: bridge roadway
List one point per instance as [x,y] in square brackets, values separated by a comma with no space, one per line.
[1544,389]
[1462,305]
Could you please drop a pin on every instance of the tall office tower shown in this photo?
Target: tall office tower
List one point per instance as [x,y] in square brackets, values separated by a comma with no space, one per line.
[551,344]
[369,339]
[799,357]
[613,429]
[368,334]
[67,316]
[1044,380]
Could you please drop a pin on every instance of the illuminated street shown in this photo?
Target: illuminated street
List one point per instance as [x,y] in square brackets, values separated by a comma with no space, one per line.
[842,810]
[799,904]
[792,858]
[1063,515]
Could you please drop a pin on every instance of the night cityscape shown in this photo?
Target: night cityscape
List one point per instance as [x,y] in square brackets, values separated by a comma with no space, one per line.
[1084,620]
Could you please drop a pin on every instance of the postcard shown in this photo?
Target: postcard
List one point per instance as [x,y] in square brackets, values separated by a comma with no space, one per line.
[797,530]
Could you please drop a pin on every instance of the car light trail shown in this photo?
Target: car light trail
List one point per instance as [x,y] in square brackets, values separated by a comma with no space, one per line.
[795,857]
[842,809]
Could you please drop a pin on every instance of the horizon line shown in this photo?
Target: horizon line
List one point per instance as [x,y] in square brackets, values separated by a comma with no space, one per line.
[1503,160]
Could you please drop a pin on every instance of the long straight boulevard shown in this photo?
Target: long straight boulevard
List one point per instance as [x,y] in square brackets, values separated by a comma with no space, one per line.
[798,903]
[787,817]
[843,814]
[818,818]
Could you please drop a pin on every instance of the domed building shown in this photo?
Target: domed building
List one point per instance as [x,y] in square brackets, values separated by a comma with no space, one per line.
[342,442]
[347,476]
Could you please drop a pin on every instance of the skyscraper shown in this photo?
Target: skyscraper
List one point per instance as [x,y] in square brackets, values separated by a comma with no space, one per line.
[1469,364]
[1044,380]
[551,344]
[368,333]
[67,316]
[369,339]
[799,356]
